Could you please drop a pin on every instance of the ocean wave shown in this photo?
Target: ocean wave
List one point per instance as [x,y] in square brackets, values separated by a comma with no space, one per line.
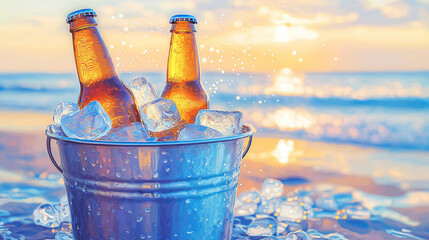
[37,89]
[393,130]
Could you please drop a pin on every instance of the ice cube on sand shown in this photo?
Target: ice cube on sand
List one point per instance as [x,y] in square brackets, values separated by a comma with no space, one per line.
[249,197]
[62,235]
[131,132]
[91,122]
[244,209]
[160,115]
[63,109]
[262,227]
[271,188]
[47,215]
[195,132]
[226,122]
[63,209]
[298,235]
[290,211]
[143,91]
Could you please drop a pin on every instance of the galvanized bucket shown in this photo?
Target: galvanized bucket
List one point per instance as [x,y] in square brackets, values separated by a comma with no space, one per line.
[151,190]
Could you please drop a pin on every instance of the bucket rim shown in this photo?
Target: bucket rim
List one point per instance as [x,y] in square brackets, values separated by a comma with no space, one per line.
[247,131]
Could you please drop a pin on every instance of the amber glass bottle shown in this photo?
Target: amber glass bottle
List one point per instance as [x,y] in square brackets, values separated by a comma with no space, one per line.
[183,69]
[97,75]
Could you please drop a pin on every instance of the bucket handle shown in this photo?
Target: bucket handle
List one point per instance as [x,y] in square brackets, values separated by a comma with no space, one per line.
[48,146]
[248,146]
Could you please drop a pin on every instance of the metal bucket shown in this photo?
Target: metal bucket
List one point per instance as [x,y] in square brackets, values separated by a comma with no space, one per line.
[151,190]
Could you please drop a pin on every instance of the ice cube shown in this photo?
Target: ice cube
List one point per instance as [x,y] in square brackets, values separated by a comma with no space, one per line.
[63,109]
[356,211]
[272,238]
[169,134]
[131,132]
[64,209]
[143,91]
[249,197]
[8,235]
[61,235]
[160,115]
[269,206]
[47,215]
[195,132]
[307,202]
[56,130]
[290,211]
[89,123]
[271,188]
[298,235]
[327,203]
[262,227]
[244,209]
[227,123]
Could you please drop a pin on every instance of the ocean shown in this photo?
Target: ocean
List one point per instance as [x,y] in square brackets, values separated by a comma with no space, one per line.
[381,109]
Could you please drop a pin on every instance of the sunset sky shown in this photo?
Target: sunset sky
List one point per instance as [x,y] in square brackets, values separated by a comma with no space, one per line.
[233,36]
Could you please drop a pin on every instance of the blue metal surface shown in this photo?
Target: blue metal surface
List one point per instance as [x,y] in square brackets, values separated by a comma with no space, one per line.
[156,190]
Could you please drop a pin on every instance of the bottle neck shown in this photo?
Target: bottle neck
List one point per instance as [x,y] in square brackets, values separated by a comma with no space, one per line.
[183,63]
[93,61]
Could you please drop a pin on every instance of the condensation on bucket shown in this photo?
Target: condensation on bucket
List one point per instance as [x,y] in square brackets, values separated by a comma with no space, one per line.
[172,191]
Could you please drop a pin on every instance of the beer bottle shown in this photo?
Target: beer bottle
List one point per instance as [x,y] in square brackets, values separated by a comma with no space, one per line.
[97,75]
[183,69]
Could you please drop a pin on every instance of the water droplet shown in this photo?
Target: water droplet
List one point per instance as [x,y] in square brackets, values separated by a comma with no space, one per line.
[147,209]
[121,207]
[139,219]
[118,174]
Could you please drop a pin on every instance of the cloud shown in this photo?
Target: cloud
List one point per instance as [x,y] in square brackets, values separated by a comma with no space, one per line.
[318,19]
[396,10]
[272,34]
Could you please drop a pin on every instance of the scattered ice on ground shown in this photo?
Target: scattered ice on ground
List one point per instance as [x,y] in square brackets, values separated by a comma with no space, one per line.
[262,227]
[227,123]
[356,211]
[249,197]
[290,211]
[63,109]
[298,235]
[244,209]
[52,215]
[8,235]
[64,209]
[195,132]
[61,235]
[143,91]
[269,206]
[89,123]
[271,188]
[47,215]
